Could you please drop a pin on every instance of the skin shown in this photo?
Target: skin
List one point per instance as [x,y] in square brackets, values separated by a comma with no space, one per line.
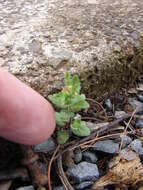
[25,116]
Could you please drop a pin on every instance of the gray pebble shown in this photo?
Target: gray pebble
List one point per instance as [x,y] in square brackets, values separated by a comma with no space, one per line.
[108,104]
[126,140]
[77,155]
[128,154]
[136,146]
[90,157]
[140,97]
[134,103]
[46,146]
[107,146]
[93,126]
[139,123]
[119,114]
[26,188]
[59,188]
[84,185]
[84,171]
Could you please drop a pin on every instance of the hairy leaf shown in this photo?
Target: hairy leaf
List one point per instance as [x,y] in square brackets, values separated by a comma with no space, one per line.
[63,117]
[79,128]
[78,103]
[58,100]
[75,85]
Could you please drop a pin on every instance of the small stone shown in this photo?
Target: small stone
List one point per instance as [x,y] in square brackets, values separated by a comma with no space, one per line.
[108,104]
[26,188]
[46,146]
[84,185]
[84,171]
[128,154]
[95,126]
[90,157]
[119,114]
[134,103]
[136,146]
[59,188]
[140,97]
[107,146]
[77,155]
[126,140]
[139,123]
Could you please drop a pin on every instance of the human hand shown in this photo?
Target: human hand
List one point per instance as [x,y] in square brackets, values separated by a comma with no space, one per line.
[25,116]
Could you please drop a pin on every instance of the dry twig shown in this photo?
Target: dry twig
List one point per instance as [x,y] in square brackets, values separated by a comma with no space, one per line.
[62,175]
[49,168]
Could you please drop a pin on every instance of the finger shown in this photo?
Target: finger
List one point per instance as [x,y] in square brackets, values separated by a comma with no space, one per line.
[25,116]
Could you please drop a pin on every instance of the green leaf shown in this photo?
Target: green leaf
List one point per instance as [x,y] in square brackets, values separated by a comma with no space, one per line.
[79,103]
[68,80]
[62,137]
[63,117]
[58,100]
[75,85]
[79,128]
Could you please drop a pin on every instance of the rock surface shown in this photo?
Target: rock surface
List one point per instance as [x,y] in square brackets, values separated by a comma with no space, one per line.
[107,146]
[126,140]
[46,146]
[84,171]
[136,146]
[84,185]
[90,157]
[99,39]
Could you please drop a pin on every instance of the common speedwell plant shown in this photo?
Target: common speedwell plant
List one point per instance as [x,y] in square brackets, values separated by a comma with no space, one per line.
[69,101]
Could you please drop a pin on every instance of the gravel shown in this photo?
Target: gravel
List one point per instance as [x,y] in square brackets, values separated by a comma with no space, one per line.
[77,155]
[136,146]
[107,146]
[90,157]
[108,104]
[126,140]
[82,172]
[84,185]
[139,123]
[46,146]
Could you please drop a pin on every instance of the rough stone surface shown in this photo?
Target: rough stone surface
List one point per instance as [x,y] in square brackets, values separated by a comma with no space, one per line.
[84,171]
[139,123]
[126,140]
[84,185]
[77,155]
[99,39]
[45,146]
[136,146]
[90,157]
[93,126]
[119,114]
[107,146]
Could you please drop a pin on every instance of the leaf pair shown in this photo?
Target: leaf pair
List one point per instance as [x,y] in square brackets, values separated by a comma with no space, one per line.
[70,102]
[78,128]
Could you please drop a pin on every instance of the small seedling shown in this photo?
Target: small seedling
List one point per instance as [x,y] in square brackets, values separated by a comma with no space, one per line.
[70,101]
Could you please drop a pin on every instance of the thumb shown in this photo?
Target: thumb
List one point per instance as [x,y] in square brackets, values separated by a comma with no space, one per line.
[25,116]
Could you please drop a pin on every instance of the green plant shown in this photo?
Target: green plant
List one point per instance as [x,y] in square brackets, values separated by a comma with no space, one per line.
[70,101]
